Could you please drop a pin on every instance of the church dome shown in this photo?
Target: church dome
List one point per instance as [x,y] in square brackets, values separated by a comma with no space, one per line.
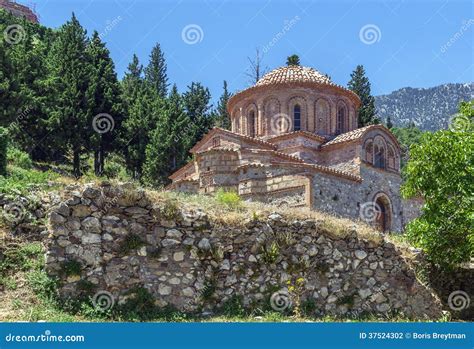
[291,74]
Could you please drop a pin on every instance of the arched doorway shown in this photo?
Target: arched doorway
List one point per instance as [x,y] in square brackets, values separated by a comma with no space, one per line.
[383,220]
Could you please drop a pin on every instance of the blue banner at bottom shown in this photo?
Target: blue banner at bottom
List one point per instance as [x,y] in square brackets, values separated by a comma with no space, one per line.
[237,335]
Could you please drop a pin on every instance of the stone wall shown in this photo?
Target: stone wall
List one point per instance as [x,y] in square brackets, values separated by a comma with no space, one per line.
[122,239]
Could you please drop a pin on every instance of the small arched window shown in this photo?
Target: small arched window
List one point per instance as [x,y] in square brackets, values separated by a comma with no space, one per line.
[391,157]
[379,157]
[341,115]
[251,124]
[297,118]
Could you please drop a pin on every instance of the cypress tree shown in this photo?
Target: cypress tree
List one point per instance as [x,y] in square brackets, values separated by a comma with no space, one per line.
[360,84]
[222,116]
[167,149]
[70,79]
[389,123]
[293,60]
[196,103]
[103,93]
[155,72]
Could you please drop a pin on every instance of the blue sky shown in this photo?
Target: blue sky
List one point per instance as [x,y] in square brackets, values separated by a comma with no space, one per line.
[400,43]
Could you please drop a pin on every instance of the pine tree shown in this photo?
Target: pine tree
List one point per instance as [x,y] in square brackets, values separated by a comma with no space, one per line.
[222,117]
[104,94]
[293,60]
[196,103]
[167,149]
[389,123]
[70,80]
[360,85]
[155,72]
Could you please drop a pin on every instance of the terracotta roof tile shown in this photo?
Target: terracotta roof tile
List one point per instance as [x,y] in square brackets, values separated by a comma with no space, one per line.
[293,73]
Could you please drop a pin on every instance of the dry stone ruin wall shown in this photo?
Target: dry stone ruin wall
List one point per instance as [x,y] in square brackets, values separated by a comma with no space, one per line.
[120,238]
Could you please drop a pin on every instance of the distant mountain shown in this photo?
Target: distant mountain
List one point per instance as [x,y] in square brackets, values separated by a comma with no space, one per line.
[429,108]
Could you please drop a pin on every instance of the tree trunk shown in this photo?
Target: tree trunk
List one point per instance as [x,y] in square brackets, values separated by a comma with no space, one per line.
[77,163]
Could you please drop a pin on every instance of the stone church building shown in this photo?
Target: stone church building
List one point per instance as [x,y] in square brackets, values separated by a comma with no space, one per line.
[295,142]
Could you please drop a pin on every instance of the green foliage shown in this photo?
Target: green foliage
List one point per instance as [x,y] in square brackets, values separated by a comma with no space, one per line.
[222,117]
[155,72]
[71,267]
[44,286]
[18,256]
[441,171]
[4,139]
[209,289]
[270,252]
[130,242]
[406,136]
[19,158]
[234,307]
[23,181]
[230,199]
[360,85]
[293,60]
[116,168]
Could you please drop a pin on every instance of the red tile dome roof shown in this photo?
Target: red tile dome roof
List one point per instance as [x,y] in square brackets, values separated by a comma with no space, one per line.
[293,73]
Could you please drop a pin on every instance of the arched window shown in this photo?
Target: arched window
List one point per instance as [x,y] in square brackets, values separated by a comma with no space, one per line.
[379,157]
[341,115]
[251,124]
[369,152]
[297,118]
[391,157]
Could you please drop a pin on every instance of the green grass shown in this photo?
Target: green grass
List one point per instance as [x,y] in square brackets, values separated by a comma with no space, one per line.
[228,198]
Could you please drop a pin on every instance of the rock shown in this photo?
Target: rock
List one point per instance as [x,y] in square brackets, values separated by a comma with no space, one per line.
[174,281]
[56,218]
[355,263]
[81,211]
[204,244]
[252,258]
[336,254]
[313,251]
[379,298]
[164,290]
[91,225]
[383,308]
[73,278]
[174,234]
[188,292]
[230,280]
[274,217]
[90,238]
[360,254]
[364,293]
[107,237]
[225,265]
[64,210]
[169,242]
[306,239]
[91,193]
[135,210]
[332,298]
[323,292]
[142,251]
[373,265]
[178,256]
[371,282]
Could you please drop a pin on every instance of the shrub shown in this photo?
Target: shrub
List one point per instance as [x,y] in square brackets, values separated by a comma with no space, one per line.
[19,158]
[170,209]
[440,171]
[270,252]
[114,168]
[131,242]
[228,198]
[71,267]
